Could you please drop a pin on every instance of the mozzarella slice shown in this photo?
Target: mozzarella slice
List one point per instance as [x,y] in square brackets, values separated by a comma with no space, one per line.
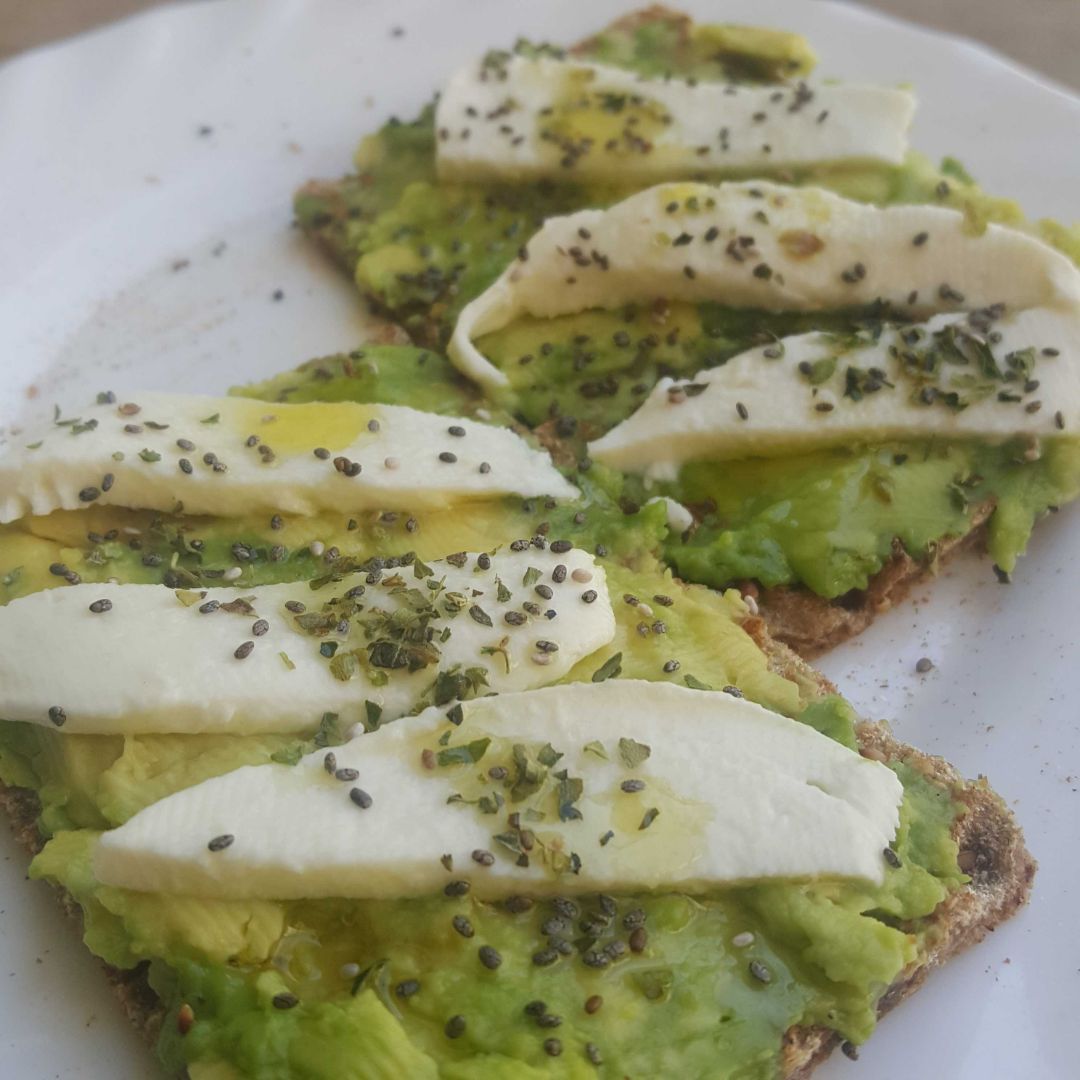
[522,117]
[232,456]
[161,661]
[767,246]
[678,789]
[817,390]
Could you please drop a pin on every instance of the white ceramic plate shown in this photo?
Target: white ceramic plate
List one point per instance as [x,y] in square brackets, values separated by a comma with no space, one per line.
[107,185]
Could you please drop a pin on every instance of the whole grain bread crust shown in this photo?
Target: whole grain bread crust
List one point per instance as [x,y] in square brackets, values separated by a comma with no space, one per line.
[991,844]
[812,625]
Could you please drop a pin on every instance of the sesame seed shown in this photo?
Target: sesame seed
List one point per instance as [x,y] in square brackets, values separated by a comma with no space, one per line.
[232,573]
[581,576]
[741,941]
[220,843]
[243,651]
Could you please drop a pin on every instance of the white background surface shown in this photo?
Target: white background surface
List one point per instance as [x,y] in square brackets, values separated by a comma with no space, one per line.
[106,183]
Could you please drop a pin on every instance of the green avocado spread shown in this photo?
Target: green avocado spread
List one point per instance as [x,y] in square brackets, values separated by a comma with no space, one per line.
[827,520]
[621,986]
[624,986]
[422,249]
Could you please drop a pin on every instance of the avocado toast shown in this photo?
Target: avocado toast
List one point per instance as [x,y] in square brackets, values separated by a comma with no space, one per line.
[236,981]
[233,975]
[422,244]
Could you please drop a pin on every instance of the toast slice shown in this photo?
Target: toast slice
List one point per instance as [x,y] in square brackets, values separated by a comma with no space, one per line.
[796,616]
[992,853]
[812,625]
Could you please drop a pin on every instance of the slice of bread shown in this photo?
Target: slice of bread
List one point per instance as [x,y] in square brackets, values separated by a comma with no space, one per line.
[991,844]
[796,616]
[812,625]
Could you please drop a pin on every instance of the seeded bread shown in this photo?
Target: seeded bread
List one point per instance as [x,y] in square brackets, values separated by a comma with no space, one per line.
[812,625]
[992,852]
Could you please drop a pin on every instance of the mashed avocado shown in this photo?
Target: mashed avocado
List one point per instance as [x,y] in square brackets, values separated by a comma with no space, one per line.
[338,989]
[371,989]
[826,520]
[703,985]
[423,249]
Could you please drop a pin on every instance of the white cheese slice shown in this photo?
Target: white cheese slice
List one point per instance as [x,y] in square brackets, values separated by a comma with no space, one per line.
[763,245]
[156,661]
[233,456]
[793,394]
[522,118]
[741,794]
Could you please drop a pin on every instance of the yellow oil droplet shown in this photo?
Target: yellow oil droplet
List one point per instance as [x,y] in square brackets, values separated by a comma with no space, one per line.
[602,123]
[295,429]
